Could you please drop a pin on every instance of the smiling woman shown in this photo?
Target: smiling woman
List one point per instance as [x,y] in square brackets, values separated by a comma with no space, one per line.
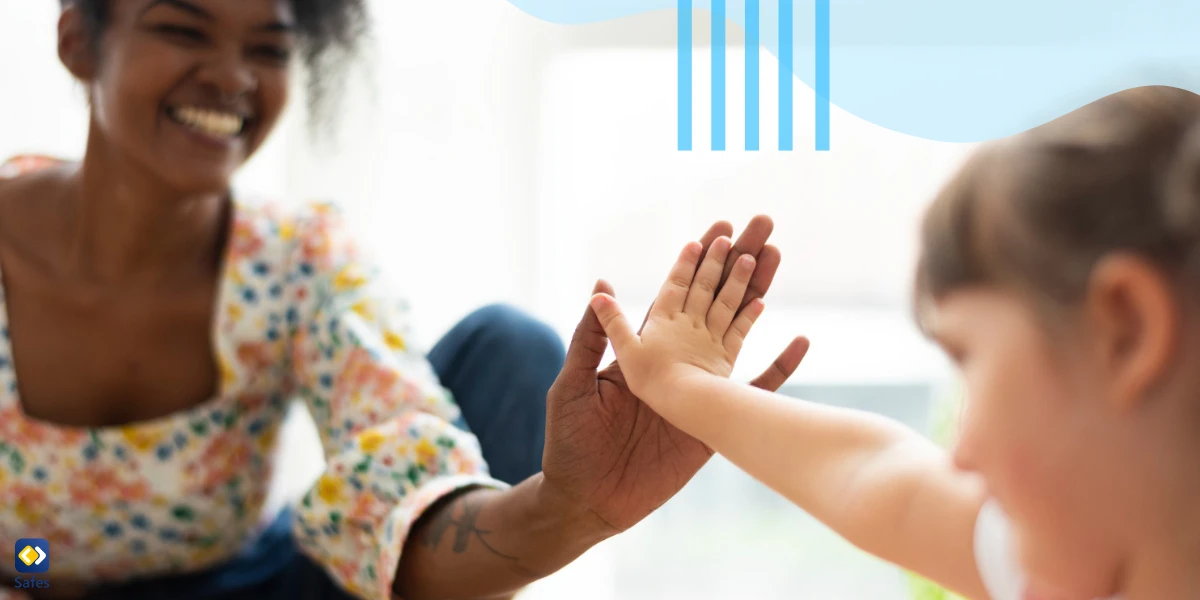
[199,87]
[328,34]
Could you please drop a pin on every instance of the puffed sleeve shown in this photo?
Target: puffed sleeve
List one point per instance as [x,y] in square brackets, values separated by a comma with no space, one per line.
[383,418]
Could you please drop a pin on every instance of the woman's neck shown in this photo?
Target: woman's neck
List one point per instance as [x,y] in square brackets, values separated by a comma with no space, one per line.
[125,225]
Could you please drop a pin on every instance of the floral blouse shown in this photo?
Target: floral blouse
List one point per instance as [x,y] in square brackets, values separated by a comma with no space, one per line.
[301,314]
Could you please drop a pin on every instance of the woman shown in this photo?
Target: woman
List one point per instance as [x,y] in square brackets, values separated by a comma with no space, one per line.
[152,328]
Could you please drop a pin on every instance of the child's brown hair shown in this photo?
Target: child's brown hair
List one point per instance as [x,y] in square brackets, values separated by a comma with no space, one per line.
[1035,212]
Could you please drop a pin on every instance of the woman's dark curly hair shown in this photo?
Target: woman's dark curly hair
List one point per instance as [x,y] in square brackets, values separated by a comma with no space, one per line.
[328,32]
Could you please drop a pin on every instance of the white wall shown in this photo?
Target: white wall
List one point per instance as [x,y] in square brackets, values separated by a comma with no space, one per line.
[41,109]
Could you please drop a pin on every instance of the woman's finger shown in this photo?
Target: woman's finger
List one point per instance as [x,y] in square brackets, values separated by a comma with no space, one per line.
[752,241]
[764,273]
[783,367]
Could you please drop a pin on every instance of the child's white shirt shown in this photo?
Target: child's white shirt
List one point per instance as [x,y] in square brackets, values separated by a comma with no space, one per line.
[996,555]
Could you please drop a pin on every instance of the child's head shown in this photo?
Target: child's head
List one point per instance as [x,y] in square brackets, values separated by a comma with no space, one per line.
[1061,269]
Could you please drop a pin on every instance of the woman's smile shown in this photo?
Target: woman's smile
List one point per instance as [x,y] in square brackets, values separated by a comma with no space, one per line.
[214,129]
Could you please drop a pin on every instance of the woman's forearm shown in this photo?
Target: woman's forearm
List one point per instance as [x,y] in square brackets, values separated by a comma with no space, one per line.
[489,543]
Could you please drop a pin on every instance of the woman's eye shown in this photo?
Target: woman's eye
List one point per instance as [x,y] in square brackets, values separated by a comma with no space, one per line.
[185,34]
[274,53]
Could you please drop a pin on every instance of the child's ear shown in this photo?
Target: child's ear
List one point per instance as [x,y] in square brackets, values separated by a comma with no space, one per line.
[1133,316]
[75,45]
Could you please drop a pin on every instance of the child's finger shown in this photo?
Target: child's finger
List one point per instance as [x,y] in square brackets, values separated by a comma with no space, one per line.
[708,277]
[616,327]
[718,229]
[741,326]
[729,299]
[588,343]
[674,291]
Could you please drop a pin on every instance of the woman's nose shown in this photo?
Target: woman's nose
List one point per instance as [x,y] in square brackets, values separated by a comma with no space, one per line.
[230,76]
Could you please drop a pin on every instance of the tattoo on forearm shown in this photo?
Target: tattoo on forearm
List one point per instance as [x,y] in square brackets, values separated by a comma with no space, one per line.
[460,515]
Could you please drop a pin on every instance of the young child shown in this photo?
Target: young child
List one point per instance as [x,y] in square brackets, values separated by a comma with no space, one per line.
[1060,270]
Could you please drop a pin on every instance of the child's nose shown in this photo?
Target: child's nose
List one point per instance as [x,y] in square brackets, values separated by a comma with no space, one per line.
[963,454]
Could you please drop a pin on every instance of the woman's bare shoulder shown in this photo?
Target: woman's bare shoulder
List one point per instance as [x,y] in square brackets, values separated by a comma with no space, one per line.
[27,164]
[27,175]
[24,205]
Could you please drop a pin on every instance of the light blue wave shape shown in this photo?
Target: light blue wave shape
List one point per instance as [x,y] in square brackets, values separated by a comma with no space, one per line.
[963,70]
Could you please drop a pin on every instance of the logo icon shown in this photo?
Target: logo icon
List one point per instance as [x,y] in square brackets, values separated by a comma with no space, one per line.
[31,555]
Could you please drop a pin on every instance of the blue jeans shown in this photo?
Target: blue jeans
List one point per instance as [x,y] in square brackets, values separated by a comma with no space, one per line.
[499,364]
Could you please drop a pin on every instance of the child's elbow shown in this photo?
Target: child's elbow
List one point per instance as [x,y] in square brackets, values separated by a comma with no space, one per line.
[880,504]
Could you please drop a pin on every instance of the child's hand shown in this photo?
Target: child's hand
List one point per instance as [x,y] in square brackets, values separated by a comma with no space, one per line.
[687,333]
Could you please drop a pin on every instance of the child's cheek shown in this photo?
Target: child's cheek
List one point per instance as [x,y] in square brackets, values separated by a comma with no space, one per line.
[1021,476]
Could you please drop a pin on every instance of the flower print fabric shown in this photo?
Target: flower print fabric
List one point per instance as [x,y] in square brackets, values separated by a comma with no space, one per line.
[301,313]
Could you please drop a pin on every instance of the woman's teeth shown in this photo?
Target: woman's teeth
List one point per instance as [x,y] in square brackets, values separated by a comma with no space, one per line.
[211,122]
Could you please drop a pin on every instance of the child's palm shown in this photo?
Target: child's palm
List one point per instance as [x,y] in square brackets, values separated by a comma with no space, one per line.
[691,326]
[682,341]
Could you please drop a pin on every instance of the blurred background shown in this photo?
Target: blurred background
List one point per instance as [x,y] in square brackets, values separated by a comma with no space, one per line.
[518,161]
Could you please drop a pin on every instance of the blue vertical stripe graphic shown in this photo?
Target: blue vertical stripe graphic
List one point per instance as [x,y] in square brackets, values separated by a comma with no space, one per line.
[684,75]
[718,74]
[753,91]
[822,68]
[787,55]
[752,74]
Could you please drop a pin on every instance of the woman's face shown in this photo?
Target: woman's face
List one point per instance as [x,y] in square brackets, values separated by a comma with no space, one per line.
[189,89]
[1035,430]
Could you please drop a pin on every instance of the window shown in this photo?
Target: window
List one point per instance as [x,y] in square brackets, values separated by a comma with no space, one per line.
[616,200]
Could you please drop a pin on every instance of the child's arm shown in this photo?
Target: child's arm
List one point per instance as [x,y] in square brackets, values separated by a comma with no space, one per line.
[878,484]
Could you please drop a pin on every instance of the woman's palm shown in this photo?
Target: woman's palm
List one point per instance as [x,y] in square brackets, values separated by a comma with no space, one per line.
[621,458]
